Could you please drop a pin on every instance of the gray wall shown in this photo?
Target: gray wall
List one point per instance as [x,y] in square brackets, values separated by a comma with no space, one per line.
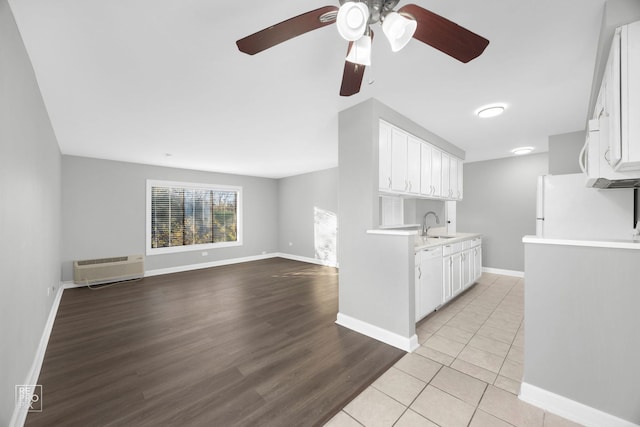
[564,151]
[500,202]
[298,196]
[104,213]
[376,272]
[29,213]
[581,318]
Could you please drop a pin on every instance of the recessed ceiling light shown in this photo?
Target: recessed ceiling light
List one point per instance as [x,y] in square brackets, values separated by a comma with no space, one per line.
[168,154]
[521,151]
[490,111]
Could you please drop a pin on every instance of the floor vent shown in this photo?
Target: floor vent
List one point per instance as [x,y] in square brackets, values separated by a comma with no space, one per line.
[107,270]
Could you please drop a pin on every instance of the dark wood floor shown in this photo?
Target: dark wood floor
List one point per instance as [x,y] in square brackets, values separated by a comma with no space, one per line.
[251,344]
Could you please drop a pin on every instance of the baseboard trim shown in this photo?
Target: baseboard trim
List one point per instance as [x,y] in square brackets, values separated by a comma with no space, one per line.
[179,269]
[189,267]
[20,414]
[512,273]
[375,332]
[570,409]
[306,259]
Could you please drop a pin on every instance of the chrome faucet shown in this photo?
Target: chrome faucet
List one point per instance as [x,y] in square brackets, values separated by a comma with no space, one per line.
[425,227]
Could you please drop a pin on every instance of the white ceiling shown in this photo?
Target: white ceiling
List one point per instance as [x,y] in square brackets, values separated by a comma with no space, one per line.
[134,80]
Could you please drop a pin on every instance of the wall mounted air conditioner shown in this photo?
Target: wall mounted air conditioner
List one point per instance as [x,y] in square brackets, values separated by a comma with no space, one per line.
[106,270]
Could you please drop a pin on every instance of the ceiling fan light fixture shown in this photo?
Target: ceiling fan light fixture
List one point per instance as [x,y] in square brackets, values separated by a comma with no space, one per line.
[352,20]
[360,52]
[398,30]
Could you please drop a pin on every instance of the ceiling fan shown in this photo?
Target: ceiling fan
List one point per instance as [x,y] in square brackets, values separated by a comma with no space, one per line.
[354,20]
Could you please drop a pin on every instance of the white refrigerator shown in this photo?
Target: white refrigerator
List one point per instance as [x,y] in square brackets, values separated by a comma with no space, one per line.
[567,209]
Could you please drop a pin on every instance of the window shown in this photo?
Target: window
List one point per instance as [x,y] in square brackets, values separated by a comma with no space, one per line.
[185,217]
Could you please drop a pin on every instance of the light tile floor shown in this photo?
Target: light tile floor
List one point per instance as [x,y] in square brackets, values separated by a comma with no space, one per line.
[466,372]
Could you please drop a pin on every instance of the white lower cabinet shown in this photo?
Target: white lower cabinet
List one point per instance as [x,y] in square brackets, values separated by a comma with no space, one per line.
[446,279]
[461,266]
[456,273]
[467,268]
[477,260]
[428,281]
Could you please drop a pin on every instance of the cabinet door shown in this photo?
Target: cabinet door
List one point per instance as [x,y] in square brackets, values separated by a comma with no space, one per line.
[446,279]
[398,161]
[453,177]
[446,188]
[477,263]
[436,172]
[426,186]
[431,283]
[413,165]
[456,273]
[467,268]
[612,99]
[384,159]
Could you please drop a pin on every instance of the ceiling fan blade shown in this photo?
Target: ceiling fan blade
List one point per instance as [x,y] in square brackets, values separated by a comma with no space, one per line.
[352,76]
[444,35]
[288,29]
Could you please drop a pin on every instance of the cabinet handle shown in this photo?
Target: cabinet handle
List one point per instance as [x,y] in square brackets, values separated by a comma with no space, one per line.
[389,182]
[406,185]
[419,273]
[582,158]
[410,186]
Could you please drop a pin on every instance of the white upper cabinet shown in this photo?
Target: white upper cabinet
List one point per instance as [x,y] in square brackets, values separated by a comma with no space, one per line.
[446,178]
[453,178]
[399,180]
[384,174]
[408,165]
[413,165]
[426,183]
[621,100]
[436,172]
[630,97]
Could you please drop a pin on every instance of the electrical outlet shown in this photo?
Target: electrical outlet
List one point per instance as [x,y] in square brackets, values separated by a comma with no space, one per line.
[48,291]
[205,253]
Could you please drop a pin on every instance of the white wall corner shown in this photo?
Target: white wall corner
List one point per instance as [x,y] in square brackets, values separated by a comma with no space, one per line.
[408,344]
[512,273]
[20,413]
[570,409]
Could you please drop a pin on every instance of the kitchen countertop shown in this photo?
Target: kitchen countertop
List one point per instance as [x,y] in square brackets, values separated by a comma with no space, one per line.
[425,242]
[430,242]
[612,244]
